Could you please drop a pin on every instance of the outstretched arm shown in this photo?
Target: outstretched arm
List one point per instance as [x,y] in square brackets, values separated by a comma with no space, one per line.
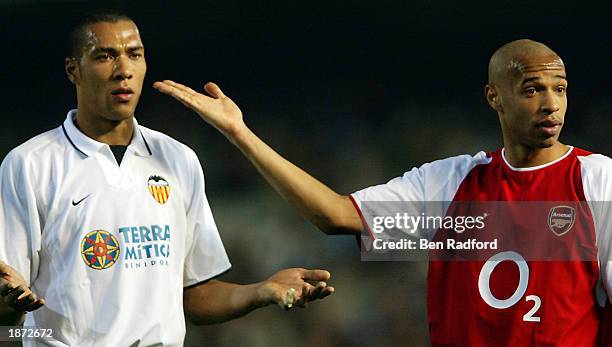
[217,301]
[329,211]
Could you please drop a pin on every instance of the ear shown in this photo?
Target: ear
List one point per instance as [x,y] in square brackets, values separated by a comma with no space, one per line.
[71,65]
[493,98]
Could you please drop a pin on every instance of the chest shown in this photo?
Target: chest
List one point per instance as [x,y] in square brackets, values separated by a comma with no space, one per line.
[100,216]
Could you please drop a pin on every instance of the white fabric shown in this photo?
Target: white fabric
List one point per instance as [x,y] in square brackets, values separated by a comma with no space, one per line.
[437,181]
[596,172]
[133,301]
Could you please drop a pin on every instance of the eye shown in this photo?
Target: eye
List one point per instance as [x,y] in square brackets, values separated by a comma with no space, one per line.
[136,55]
[103,57]
[561,89]
[530,91]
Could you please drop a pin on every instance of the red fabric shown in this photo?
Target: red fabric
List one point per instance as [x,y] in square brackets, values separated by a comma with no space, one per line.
[569,314]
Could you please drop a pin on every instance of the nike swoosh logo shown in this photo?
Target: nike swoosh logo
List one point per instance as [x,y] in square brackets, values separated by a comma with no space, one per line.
[78,202]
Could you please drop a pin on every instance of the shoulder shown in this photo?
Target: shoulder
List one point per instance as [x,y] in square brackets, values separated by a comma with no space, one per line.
[596,172]
[460,163]
[594,161]
[595,165]
[43,145]
[434,181]
[166,146]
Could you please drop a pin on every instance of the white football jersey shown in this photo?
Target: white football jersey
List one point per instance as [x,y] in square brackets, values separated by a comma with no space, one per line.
[109,247]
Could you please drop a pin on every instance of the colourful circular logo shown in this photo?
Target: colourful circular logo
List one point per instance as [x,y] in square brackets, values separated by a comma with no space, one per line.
[100,249]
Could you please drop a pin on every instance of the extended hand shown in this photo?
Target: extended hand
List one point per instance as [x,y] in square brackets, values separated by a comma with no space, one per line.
[289,287]
[217,109]
[15,292]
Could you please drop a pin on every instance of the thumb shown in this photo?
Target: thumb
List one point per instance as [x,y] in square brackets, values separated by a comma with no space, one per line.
[316,275]
[214,90]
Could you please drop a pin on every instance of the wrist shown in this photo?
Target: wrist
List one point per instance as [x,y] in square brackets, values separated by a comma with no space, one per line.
[239,135]
[263,295]
[242,138]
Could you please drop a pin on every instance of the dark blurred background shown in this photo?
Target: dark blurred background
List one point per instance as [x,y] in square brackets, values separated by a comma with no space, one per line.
[354,92]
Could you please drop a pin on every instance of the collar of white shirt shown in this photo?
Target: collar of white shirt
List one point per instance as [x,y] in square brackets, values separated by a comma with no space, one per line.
[88,146]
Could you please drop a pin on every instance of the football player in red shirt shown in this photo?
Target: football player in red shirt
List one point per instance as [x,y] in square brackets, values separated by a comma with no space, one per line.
[526,300]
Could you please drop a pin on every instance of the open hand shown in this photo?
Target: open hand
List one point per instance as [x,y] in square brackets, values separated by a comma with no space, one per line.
[217,109]
[291,287]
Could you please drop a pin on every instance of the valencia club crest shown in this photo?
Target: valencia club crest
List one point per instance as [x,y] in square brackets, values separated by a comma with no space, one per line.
[100,249]
[159,189]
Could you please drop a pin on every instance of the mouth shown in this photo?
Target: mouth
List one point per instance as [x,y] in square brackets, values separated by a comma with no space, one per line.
[123,94]
[550,127]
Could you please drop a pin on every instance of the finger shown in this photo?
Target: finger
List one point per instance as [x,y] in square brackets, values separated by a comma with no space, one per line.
[289,299]
[30,303]
[319,288]
[167,88]
[316,275]
[23,301]
[303,300]
[327,292]
[8,288]
[35,305]
[213,90]
[12,296]
[181,87]
[182,96]
[314,291]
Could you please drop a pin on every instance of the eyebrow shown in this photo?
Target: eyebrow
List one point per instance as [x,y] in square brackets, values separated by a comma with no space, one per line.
[114,50]
[533,79]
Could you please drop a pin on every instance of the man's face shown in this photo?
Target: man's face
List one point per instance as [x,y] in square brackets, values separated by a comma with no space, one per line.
[110,73]
[534,102]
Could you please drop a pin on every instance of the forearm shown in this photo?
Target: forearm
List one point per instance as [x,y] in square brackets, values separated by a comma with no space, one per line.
[217,301]
[329,211]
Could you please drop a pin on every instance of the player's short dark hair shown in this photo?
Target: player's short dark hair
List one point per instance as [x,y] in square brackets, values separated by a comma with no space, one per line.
[77,39]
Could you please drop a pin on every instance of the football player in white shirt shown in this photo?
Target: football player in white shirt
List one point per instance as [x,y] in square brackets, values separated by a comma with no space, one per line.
[139,231]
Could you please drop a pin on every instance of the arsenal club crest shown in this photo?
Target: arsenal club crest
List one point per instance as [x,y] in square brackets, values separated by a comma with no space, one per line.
[561,219]
[159,189]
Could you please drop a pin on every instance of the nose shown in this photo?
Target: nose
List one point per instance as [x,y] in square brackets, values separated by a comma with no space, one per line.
[550,103]
[122,68]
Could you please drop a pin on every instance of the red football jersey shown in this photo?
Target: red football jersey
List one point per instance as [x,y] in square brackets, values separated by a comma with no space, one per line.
[543,285]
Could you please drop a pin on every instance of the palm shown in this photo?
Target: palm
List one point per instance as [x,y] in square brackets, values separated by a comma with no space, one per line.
[276,288]
[216,109]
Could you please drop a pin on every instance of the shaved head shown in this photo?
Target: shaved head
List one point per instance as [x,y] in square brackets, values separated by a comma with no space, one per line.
[527,88]
[517,57]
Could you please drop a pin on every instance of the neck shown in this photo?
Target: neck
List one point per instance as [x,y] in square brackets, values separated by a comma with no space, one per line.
[521,157]
[110,132]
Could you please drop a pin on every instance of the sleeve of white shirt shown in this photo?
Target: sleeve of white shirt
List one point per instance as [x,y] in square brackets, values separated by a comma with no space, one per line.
[20,229]
[412,192]
[206,257]
[597,182]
